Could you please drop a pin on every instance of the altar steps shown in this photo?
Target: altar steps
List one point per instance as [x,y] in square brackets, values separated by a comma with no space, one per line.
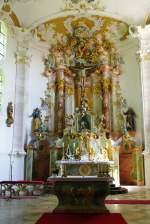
[117,190]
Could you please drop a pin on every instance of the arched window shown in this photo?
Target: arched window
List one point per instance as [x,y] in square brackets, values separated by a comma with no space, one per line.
[3,40]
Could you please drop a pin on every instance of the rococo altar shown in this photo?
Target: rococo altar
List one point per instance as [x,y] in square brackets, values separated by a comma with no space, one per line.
[81,110]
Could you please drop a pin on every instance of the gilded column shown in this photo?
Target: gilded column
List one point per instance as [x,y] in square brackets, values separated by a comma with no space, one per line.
[50,101]
[59,102]
[77,91]
[117,124]
[106,97]
[97,95]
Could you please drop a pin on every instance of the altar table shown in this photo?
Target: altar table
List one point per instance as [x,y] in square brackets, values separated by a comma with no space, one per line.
[81,194]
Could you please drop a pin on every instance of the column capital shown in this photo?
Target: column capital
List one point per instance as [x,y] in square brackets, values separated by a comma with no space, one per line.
[23,37]
[21,54]
[142,33]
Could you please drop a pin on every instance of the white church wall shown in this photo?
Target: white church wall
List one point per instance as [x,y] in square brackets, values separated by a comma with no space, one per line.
[6,133]
[36,88]
[130,82]
[37,83]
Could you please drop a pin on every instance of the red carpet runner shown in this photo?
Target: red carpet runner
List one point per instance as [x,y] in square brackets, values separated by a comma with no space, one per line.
[127,202]
[52,218]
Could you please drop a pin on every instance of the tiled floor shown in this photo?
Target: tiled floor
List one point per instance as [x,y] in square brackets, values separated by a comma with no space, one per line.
[27,211]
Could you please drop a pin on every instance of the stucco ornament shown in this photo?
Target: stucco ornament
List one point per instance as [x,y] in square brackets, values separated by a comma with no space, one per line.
[20,1]
[82,5]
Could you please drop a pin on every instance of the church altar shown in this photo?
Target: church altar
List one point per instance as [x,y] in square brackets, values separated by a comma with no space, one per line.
[81,194]
[84,168]
[83,105]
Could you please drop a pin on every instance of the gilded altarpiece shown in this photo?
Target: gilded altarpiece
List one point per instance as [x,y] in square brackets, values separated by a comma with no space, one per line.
[81,54]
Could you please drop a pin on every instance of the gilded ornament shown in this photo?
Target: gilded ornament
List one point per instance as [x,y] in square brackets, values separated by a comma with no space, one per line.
[22,59]
[106,83]
[69,91]
[96,90]
[82,5]
[85,170]
[60,84]
[146,57]
[60,106]
[7,12]
[116,71]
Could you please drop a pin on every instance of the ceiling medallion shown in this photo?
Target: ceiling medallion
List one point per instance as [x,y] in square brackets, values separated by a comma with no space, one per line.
[82,5]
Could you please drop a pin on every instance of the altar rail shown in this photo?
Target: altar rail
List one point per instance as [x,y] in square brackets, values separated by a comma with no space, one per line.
[21,188]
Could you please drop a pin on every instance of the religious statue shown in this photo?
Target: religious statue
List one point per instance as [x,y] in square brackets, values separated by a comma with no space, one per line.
[84,123]
[9,120]
[36,122]
[130,119]
[108,146]
[68,120]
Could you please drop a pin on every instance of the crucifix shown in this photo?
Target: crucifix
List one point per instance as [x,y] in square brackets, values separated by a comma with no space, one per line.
[82,71]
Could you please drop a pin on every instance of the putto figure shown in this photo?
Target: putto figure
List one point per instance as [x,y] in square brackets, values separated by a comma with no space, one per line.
[9,120]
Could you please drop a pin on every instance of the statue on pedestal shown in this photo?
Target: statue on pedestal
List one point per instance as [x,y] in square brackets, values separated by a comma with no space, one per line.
[130,119]
[9,120]
[36,120]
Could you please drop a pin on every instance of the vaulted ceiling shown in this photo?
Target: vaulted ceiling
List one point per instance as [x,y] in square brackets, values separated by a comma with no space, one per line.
[32,12]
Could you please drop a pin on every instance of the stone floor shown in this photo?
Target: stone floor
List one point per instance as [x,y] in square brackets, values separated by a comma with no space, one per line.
[27,211]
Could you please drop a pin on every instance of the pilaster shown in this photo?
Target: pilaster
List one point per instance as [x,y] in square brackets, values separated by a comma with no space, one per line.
[20,106]
[143,35]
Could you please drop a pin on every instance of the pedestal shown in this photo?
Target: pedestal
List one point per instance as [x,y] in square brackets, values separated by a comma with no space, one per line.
[81,194]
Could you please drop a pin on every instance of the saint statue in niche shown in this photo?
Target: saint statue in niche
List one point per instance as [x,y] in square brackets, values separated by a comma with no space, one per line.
[84,123]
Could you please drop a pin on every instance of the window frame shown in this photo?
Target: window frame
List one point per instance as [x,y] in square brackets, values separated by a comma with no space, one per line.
[3,40]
